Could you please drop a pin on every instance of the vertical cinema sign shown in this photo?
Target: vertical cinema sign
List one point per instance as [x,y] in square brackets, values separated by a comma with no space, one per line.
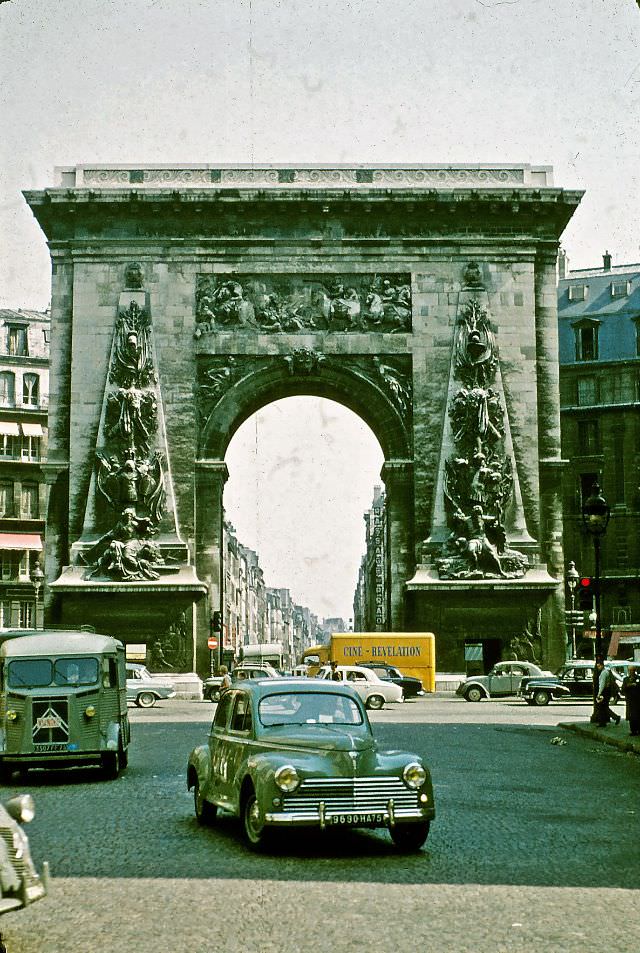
[378,546]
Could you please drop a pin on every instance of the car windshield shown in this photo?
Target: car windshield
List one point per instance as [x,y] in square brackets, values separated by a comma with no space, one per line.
[308,708]
[39,673]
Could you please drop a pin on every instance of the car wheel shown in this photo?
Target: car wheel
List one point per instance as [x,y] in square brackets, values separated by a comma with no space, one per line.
[215,696]
[146,700]
[205,812]
[410,837]
[376,702]
[111,765]
[473,694]
[256,835]
[541,697]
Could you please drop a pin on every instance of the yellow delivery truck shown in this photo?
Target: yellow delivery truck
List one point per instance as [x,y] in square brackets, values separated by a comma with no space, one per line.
[414,653]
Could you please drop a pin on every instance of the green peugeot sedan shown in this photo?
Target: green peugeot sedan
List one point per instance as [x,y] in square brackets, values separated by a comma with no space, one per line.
[286,753]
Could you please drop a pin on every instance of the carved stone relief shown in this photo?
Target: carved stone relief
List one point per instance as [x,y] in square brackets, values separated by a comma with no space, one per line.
[478,477]
[292,303]
[390,374]
[169,650]
[130,476]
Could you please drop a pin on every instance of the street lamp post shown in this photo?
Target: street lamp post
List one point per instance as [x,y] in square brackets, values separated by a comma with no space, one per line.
[37,578]
[595,516]
[572,577]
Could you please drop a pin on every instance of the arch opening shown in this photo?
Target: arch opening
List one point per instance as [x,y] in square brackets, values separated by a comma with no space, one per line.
[302,472]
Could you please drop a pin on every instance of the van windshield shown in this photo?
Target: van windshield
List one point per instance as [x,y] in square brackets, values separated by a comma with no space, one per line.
[40,673]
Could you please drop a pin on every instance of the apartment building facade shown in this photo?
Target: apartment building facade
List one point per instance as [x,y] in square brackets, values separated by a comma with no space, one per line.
[24,397]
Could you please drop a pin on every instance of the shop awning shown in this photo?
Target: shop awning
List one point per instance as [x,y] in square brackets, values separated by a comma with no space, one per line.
[21,541]
[9,428]
[32,430]
[623,637]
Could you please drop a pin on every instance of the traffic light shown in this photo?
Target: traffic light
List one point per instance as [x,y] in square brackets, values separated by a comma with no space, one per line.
[586,592]
[216,622]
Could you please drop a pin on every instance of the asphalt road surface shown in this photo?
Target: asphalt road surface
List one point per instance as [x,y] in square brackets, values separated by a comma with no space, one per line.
[535,846]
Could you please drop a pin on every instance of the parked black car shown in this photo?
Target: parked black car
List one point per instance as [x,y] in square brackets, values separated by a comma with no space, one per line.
[410,686]
[577,676]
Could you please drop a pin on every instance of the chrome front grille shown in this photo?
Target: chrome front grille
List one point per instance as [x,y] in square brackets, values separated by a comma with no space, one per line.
[351,795]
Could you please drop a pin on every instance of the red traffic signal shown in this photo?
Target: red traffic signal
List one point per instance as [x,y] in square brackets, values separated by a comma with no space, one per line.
[585,583]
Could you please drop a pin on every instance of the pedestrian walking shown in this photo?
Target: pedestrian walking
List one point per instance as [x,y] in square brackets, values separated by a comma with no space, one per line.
[606,685]
[226,679]
[631,692]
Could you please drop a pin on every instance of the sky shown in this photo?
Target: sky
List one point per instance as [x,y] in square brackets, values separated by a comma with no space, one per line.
[549,82]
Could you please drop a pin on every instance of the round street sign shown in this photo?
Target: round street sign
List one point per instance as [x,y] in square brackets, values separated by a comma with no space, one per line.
[212,643]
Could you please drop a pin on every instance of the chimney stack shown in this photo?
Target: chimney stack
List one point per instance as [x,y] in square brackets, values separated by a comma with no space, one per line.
[606,261]
[563,263]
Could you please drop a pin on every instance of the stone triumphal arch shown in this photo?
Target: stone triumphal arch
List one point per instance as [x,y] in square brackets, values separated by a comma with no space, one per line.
[422,298]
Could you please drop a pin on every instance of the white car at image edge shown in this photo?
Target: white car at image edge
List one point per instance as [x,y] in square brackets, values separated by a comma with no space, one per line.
[372,689]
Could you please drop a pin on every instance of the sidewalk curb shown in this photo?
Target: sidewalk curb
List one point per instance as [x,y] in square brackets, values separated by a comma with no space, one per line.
[587,730]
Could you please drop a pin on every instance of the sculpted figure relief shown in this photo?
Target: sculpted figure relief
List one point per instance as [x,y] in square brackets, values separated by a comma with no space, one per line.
[289,303]
[126,552]
[132,365]
[478,479]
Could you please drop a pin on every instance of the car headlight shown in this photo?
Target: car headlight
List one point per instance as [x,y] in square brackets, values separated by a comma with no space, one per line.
[414,775]
[21,808]
[11,715]
[90,711]
[287,778]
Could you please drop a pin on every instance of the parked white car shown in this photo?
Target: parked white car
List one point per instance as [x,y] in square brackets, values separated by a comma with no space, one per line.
[372,689]
[146,689]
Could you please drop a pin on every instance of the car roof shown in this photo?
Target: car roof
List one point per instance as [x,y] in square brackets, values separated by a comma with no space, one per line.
[59,643]
[269,686]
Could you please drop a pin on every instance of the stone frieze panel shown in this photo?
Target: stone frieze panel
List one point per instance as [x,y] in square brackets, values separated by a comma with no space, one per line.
[303,303]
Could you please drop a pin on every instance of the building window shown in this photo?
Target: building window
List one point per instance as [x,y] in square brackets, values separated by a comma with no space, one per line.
[17,343]
[620,289]
[8,446]
[6,498]
[31,390]
[586,342]
[618,465]
[26,615]
[7,389]
[8,564]
[30,508]
[30,448]
[588,436]
[5,614]
[586,391]
[46,335]
[637,320]
[578,292]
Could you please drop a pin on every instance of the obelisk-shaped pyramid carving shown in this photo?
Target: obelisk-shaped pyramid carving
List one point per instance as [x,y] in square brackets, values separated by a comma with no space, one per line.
[130,527]
[478,511]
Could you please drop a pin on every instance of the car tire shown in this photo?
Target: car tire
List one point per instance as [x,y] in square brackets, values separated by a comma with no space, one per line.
[205,811]
[257,836]
[541,697]
[375,702]
[215,696]
[146,700]
[111,765]
[410,837]
[473,694]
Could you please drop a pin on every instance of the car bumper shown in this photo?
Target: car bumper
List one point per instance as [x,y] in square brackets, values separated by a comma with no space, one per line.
[324,819]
